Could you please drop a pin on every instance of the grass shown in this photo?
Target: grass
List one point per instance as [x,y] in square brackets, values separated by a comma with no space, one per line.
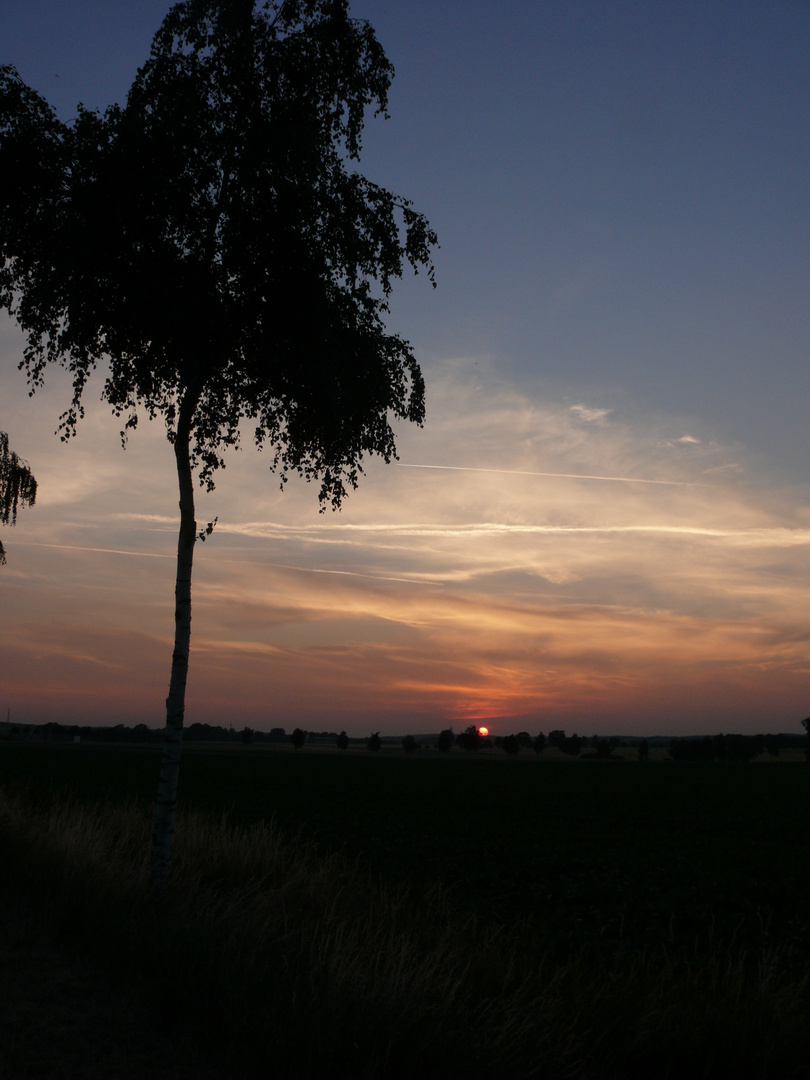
[312,931]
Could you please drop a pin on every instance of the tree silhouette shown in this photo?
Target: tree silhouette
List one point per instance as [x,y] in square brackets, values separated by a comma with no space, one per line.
[374,742]
[470,738]
[556,738]
[445,740]
[211,243]
[298,738]
[17,487]
[342,741]
[511,744]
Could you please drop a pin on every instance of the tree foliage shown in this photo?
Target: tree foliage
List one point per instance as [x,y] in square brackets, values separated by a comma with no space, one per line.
[17,486]
[211,242]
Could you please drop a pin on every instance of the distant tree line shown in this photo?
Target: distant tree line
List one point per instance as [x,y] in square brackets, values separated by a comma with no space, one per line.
[142,733]
[731,747]
[708,748]
[138,733]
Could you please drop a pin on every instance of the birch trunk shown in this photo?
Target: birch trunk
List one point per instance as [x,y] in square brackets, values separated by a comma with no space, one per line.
[163,828]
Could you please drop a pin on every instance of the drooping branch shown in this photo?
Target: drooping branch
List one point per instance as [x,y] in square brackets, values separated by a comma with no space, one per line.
[17,486]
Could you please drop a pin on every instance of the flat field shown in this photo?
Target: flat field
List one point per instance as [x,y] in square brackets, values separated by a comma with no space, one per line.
[619,854]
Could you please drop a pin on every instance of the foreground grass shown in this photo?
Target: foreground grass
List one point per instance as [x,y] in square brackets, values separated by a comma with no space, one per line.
[618,854]
[295,963]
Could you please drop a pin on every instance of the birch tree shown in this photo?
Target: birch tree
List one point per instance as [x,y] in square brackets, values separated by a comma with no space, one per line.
[212,245]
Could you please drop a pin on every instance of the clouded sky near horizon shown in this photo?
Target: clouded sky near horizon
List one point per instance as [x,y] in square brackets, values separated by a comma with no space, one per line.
[605,523]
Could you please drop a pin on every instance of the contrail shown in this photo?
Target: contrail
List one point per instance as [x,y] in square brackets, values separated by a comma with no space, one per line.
[560,475]
[104,551]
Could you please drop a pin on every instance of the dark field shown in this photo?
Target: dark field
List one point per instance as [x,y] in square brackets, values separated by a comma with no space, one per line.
[617,851]
[597,919]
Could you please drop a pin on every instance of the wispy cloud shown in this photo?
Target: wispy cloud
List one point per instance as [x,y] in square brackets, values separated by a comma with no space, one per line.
[590,415]
[524,560]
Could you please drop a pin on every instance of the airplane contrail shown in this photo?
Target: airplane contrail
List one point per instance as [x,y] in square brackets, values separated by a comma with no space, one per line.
[103,551]
[560,475]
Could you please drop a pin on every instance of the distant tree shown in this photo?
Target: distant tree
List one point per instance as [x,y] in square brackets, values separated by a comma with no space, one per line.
[556,738]
[343,741]
[643,750]
[374,742]
[212,245]
[605,747]
[806,726]
[572,745]
[445,740]
[539,743]
[298,738]
[409,744]
[277,734]
[524,739]
[511,744]
[247,735]
[17,486]
[470,738]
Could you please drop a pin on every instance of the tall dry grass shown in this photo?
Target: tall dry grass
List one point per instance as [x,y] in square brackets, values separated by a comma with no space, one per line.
[299,964]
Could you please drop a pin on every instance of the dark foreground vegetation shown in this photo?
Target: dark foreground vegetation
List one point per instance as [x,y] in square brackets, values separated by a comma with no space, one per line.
[363,915]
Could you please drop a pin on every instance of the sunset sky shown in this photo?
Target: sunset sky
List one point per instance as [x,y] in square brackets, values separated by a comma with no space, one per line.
[604,524]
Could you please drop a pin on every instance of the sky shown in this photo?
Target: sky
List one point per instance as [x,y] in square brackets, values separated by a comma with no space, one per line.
[604,524]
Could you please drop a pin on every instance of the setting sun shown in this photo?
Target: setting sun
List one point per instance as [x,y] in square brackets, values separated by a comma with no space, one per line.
[483,731]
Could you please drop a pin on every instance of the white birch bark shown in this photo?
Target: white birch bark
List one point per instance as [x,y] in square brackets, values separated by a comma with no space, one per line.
[163,828]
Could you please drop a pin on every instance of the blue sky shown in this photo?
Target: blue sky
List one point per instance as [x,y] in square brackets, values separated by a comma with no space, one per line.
[622,197]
